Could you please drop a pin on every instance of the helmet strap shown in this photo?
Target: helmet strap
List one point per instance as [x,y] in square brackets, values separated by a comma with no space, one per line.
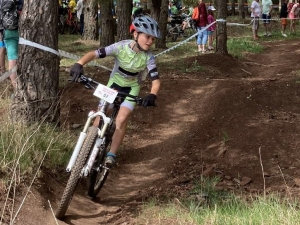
[137,43]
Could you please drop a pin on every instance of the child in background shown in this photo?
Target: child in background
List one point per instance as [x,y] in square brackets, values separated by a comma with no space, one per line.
[293,15]
[211,29]
[283,17]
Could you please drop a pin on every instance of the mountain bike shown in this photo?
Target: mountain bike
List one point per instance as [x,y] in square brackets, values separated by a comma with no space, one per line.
[174,27]
[89,154]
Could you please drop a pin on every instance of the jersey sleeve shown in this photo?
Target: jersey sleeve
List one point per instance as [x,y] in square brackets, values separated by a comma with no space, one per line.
[152,68]
[111,50]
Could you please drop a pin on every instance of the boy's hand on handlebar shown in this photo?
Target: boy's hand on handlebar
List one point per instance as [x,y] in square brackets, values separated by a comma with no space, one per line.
[76,71]
[149,100]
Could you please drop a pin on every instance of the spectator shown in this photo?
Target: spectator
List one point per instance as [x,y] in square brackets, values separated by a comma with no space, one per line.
[185,22]
[72,6]
[201,22]
[80,14]
[11,35]
[136,10]
[255,14]
[267,6]
[172,9]
[2,46]
[293,14]
[212,28]
[283,17]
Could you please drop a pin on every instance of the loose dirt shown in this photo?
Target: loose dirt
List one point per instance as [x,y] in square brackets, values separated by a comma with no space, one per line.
[236,119]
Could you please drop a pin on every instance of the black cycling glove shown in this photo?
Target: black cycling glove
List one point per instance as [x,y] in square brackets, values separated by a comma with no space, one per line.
[76,71]
[149,100]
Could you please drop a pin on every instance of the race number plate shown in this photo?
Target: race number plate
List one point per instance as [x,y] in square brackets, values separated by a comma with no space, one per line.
[105,93]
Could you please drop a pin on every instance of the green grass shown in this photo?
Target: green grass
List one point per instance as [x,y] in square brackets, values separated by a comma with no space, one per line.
[206,205]
[23,148]
[297,77]
[237,47]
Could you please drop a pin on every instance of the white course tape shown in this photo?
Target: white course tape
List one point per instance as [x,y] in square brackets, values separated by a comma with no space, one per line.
[189,38]
[76,57]
[23,41]
[240,24]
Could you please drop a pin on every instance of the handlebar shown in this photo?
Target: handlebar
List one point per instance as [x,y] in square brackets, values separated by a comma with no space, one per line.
[89,84]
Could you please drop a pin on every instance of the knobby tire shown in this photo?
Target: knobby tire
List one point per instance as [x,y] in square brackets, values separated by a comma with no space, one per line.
[75,172]
[98,178]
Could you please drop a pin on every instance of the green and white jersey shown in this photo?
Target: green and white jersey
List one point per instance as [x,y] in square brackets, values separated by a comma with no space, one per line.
[128,63]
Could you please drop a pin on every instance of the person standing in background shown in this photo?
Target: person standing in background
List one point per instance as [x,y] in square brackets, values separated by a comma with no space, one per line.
[293,15]
[80,14]
[212,28]
[255,14]
[72,6]
[2,46]
[267,6]
[201,22]
[10,14]
[283,17]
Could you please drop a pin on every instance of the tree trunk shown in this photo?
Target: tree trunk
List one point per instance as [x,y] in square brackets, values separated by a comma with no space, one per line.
[90,20]
[123,11]
[107,24]
[216,2]
[233,7]
[242,9]
[155,9]
[163,19]
[36,97]
[221,40]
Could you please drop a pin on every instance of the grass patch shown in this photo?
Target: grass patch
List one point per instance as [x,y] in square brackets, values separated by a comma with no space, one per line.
[23,148]
[206,205]
[237,47]
[297,77]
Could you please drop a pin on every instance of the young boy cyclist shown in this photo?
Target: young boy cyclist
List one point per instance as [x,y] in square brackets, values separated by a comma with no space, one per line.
[132,57]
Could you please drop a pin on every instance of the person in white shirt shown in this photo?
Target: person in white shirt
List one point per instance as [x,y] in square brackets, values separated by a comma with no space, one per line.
[255,14]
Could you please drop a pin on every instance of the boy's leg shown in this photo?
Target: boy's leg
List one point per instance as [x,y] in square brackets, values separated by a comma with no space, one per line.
[2,52]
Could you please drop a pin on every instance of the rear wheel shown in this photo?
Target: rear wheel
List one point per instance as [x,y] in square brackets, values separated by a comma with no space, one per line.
[76,173]
[173,31]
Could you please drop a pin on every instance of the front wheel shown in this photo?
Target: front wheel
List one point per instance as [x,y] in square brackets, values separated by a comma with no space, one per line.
[76,172]
[100,172]
[98,175]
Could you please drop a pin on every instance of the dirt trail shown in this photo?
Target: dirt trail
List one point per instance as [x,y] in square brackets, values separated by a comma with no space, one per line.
[213,121]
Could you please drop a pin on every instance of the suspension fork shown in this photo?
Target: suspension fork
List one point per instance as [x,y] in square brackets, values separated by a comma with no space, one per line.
[100,141]
[105,121]
[83,133]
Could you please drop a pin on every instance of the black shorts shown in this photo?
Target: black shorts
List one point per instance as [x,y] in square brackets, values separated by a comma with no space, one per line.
[266,18]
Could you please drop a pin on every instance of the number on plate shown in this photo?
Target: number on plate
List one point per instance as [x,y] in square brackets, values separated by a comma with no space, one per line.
[105,93]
